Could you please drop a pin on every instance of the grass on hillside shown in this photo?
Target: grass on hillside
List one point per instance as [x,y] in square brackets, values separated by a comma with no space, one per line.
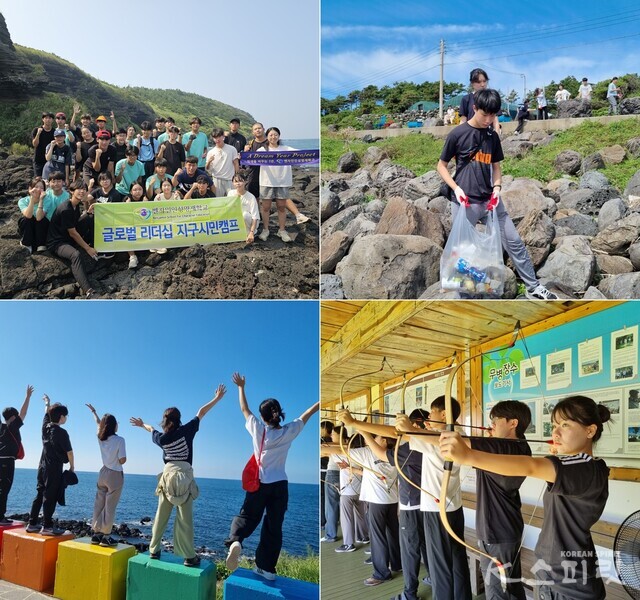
[420,152]
[304,568]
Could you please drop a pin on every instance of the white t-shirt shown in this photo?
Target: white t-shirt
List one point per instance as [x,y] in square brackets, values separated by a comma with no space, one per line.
[432,472]
[274,175]
[221,165]
[350,482]
[275,448]
[562,95]
[584,91]
[249,204]
[112,449]
[373,488]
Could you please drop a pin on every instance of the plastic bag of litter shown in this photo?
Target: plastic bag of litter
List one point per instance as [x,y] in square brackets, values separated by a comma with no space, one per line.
[471,261]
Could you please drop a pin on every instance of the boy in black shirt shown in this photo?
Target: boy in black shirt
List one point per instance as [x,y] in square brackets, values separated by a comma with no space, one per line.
[56,451]
[478,181]
[10,446]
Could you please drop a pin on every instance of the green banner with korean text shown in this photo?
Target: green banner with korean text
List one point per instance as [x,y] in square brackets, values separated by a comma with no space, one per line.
[122,226]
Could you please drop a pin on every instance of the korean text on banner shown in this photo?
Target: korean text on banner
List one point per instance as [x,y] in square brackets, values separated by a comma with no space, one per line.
[167,224]
[307,158]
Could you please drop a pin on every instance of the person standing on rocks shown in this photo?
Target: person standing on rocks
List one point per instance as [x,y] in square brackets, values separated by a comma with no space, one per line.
[478,181]
[176,484]
[41,137]
[585,90]
[562,95]
[222,163]
[10,450]
[541,99]
[613,93]
[110,479]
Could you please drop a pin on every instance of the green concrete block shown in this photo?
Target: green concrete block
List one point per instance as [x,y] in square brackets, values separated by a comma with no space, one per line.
[168,578]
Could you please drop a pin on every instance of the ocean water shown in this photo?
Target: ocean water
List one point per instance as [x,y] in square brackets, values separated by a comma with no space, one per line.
[305,144]
[219,501]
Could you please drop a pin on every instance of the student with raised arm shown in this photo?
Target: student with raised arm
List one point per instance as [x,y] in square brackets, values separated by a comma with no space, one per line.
[110,479]
[271,443]
[176,485]
[56,451]
[575,496]
[10,445]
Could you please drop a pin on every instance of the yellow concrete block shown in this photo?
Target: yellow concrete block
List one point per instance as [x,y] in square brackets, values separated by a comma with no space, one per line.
[86,571]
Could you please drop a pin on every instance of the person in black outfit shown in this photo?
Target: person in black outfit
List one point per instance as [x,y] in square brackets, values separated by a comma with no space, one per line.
[522,116]
[10,446]
[41,137]
[56,452]
[235,138]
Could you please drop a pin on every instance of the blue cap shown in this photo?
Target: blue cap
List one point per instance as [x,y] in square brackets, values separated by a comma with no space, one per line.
[58,132]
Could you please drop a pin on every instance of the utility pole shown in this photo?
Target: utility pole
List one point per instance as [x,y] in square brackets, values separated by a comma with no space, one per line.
[524,91]
[441,97]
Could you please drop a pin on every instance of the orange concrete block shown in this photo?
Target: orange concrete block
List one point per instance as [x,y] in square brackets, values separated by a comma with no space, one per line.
[29,559]
[14,525]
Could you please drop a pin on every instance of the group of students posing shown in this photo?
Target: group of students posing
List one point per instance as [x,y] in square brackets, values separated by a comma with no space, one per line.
[403,520]
[176,484]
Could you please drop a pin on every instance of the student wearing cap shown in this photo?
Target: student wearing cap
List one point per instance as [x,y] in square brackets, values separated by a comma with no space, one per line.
[41,137]
[58,156]
[234,137]
[101,122]
[196,143]
[101,158]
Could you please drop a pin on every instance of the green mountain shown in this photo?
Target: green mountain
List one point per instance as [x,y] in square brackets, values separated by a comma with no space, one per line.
[32,81]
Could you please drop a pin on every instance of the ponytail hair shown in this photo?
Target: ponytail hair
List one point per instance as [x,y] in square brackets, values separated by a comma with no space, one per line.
[583,410]
[170,419]
[271,412]
[107,427]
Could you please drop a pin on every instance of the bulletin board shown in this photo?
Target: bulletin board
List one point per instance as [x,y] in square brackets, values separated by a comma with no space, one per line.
[595,356]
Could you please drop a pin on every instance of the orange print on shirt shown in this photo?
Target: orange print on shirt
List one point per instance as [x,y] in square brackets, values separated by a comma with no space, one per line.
[483,157]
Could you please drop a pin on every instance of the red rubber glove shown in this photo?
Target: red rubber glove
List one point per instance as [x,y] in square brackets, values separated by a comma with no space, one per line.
[461,197]
[493,201]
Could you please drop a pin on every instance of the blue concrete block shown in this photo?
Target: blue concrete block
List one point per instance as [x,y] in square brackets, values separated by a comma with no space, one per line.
[246,585]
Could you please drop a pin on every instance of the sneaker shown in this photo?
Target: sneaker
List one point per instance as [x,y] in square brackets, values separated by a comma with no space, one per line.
[91,295]
[154,555]
[153,250]
[192,562]
[133,262]
[328,539]
[161,250]
[346,548]
[27,247]
[374,581]
[104,255]
[367,551]
[96,538]
[233,556]
[41,249]
[426,580]
[264,235]
[268,576]
[33,528]
[363,541]
[284,236]
[541,293]
[300,219]
[368,561]
[108,542]
[5,521]
[51,531]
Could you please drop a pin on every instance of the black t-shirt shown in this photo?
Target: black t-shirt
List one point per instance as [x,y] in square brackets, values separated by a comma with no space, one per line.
[120,151]
[175,156]
[498,516]
[572,505]
[84,152]
[475,151]
[466,107]
[237,140]
[55,443]
[10,438]
[253,172]
[65,217]
[185,181]
[46,137]
[112,196]
[178,444]
[109,155]
[410,462]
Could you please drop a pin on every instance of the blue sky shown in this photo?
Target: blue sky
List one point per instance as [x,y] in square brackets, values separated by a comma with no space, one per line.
[138,358]
[379,43]
[262,57]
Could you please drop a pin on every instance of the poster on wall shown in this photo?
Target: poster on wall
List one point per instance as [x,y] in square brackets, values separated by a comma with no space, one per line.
[624,354]
[559,369]
[590,357]
[612,433]
[631,406]
[419,396]
[436,387]
[530,372]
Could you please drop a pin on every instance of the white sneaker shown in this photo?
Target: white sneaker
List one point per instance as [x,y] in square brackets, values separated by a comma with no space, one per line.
[133,262]
[161,250]
[264,235]
[152,250]
[541,293]
[300,218]
[268,576]
[284,236]
[41,249]
[233,556]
